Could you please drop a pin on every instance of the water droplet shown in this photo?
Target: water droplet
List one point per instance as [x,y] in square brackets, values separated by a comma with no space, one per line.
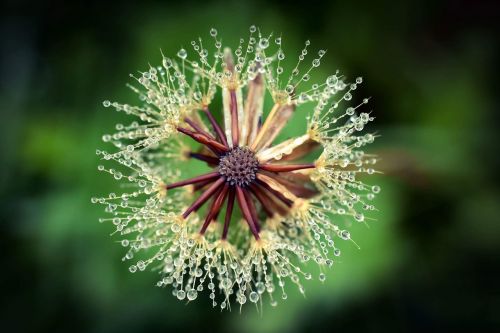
[359,217]
[192,294]
[181,294]
[263,43]
[332,81]
[345,235]
[254,297]
[182,54]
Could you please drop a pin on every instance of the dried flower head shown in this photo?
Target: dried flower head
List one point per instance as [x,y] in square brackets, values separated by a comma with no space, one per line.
[247,226]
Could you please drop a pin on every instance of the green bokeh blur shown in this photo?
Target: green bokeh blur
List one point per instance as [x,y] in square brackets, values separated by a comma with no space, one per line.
[429,260]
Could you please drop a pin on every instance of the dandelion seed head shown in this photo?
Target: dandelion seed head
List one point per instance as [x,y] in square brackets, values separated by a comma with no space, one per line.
[252,226]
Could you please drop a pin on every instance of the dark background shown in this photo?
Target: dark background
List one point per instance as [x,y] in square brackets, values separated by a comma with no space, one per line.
[430,260]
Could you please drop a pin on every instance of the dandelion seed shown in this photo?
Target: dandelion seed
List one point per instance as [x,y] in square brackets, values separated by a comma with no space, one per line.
[293,210]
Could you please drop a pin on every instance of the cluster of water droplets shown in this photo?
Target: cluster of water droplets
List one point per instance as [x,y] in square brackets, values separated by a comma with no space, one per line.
[258,54]
[166,98]
[193,265]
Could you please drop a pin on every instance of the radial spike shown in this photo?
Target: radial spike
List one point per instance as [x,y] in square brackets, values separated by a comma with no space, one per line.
[246,211]
[215,208]
[215,125]
[286,168]
[215,146]
[197,128]
[234,118]
[194,180]
[277,194]
[205,158]
[229,212]
[203,197]
[253,211]
[201,185]
[268,203]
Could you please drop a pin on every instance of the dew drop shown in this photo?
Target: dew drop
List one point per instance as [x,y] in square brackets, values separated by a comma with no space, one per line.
[263,43]
[254,297]
[359,217]
[181,294]
[182,54]
[192,294]
[331,81]
[345,235]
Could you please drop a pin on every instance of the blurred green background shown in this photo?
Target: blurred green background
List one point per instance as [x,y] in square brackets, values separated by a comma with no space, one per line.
[430,260]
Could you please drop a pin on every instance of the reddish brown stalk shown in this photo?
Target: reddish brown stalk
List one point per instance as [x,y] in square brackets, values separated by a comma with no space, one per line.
[225,189]
[296,189]
[234,118]
[205,158]
[263,201]
[253,211]
[277,194]
[201,185]
[267,202]
[218,130]
[246,211]
[203,197]
[215,146]
[215,208]
[206,177]
[196,127]
[286,168]
[229,212]
[216,215]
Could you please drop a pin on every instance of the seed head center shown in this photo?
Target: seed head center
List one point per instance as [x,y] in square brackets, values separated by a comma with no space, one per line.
[239,166]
